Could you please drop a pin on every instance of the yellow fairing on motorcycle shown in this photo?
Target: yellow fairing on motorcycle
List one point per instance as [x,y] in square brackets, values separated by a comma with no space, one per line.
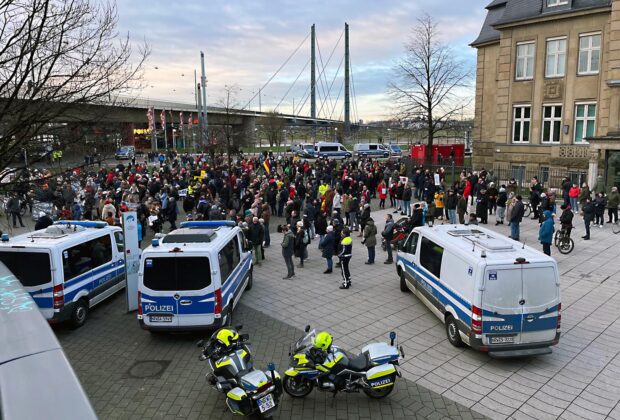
[381,376]
[291,372]
[239,402]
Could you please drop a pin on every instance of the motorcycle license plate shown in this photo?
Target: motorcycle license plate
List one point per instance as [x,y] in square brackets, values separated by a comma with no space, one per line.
[266,403]
[160,318]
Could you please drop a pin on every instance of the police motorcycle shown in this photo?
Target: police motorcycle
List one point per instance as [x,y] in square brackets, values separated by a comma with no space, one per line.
[248,391]
[316,362]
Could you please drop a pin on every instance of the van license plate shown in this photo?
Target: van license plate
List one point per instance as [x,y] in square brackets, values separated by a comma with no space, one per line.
[266,403]
[160,318]
[502,339]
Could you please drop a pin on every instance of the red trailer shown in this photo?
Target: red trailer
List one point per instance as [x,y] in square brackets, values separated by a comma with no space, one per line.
[444,153]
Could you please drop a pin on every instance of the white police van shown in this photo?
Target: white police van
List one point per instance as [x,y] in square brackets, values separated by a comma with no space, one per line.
[193,277]
[331,150]
[493,294]
[67,268]
[376,150]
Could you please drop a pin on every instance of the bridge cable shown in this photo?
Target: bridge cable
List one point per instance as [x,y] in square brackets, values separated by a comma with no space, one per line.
[278,71]
[333,80]
[293,84]
[324,65]
[336,102]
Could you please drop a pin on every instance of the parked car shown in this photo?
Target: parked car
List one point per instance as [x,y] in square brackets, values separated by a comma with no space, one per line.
[395,150]
[375,150]
[125,152]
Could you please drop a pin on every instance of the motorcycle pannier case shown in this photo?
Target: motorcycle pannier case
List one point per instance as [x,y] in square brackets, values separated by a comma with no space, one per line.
[381,376]
[239,402]
[380,353]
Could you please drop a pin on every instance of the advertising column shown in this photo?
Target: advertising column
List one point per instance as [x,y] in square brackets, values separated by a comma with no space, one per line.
[132,258]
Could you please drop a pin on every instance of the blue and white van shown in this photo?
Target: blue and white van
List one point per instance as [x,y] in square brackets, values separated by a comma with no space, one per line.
[193,277]
[68,267]
[373,150]
[331,151]
[493,294]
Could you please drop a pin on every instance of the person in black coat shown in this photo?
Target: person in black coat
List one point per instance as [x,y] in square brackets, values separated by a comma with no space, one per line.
[301,236]
[588,216]
[327,246]
[321,226]
[482,206]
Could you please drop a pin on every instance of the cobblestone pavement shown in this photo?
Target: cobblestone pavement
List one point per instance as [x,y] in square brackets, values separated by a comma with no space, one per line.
[129,373]
[580,379]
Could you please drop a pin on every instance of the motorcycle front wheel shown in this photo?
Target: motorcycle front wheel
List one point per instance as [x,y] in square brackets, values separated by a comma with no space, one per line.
[379,393]
[297,386]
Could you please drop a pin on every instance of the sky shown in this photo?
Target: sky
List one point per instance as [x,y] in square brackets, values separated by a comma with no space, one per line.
[246,41]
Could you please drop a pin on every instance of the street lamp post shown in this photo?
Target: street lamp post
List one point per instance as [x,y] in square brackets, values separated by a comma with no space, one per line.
[335,134]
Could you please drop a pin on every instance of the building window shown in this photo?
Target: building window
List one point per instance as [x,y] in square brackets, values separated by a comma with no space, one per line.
[521,124]
[589,53]
[525,61]
[585,121]
[551,3]
[556,57]
[552,123]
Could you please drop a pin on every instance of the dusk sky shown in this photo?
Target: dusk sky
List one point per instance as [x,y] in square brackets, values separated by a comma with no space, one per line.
[246,41]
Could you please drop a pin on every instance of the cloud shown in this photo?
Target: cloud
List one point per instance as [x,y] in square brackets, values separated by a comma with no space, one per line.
[246,41]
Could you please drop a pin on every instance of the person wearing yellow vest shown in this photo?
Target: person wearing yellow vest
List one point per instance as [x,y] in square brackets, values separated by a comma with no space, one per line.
[439,205]
[323,188]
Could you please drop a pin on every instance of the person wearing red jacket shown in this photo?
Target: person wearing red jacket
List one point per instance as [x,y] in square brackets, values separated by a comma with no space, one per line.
[382,191]
[573,195]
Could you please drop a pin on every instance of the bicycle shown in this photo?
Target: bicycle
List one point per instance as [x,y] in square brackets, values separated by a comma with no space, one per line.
[615,227]
[527,209]
[563,242]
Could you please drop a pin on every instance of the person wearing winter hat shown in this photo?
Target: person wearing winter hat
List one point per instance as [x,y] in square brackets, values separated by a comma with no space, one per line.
[502,198]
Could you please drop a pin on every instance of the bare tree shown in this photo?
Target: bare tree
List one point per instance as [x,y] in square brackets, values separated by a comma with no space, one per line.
[428,80]
[229,131]
[273,126]
[57,59]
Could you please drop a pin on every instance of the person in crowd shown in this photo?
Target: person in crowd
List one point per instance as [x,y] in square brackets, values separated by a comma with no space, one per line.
[502,198]
[573,196]
[613,201]
[588,216]
[370,239]
[451,204]
[482,206]
[406,200]
[566,219]
[256,237]
[13,206]
[545,232]
[600,204]
[346,252]
[516,216]
[382,192]
[388,235]
[288,243]
[584,193]
[535,191]
[461,207]
[327,245]
[302,240]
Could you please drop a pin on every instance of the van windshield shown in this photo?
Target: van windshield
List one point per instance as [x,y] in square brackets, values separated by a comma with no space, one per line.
[309,147]
[31,268]
[177,273]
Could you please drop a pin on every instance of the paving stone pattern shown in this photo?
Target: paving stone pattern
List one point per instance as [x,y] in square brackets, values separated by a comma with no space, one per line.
[580,379]
[106,354]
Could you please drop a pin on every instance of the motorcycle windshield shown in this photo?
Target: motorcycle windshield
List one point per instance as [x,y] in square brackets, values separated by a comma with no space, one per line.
[305,341]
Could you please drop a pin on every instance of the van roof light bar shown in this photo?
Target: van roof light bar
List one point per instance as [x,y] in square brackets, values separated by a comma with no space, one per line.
[203,224]
[83,223]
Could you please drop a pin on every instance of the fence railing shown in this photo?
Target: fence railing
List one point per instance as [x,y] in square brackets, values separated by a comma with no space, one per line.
[550,178]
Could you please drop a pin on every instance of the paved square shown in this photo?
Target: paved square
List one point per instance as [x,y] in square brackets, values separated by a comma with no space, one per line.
[581,378]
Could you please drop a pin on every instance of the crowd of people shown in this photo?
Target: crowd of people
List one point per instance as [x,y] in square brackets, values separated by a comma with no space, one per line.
[325,202]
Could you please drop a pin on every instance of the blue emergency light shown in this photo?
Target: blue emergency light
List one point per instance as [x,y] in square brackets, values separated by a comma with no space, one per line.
[83,223]
[5,237]
[206,224]
[155,243]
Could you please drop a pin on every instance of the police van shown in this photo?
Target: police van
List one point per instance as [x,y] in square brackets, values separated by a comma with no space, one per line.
[331,151]
[376,150]
[493,294]
[68,267]
[193,277]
